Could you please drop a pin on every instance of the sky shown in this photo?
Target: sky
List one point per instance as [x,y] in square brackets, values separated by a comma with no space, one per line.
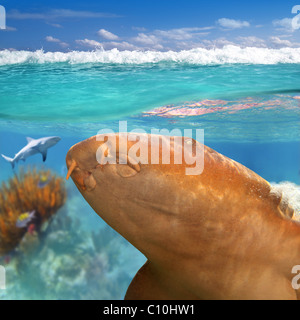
[159,25]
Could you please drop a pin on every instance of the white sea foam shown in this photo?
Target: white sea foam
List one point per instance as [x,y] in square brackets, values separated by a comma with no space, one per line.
[201,56]
[290,193]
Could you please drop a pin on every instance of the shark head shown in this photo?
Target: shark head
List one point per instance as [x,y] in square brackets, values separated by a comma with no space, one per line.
[51,141]
[186,225]
[42,145]
[134,192]
[153,203]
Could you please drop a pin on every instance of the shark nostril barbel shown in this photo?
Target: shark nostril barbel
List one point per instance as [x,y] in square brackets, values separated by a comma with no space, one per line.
[71,169]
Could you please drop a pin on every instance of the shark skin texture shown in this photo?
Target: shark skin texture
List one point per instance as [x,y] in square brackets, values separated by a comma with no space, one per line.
[33,147]
[223,234]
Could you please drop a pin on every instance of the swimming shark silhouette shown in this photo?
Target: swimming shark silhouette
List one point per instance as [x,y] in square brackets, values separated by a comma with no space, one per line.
[223,234]
[33,147]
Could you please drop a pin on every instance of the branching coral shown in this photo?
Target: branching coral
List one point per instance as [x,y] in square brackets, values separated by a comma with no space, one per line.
[35,190]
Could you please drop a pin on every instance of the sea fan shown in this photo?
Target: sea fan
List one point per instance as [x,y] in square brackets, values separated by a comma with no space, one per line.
[25,193]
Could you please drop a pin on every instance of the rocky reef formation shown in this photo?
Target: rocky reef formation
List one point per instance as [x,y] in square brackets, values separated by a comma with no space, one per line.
[71,261]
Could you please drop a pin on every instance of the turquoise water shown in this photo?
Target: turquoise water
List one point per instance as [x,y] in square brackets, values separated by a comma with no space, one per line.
[66,92]
[249,112]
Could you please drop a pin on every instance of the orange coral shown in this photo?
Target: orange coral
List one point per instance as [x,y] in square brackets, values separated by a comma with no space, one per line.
[22,193]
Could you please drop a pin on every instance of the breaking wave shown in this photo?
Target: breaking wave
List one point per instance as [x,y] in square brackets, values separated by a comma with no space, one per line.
[200,56]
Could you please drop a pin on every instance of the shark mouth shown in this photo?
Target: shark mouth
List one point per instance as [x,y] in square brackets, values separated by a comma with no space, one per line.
[85,179]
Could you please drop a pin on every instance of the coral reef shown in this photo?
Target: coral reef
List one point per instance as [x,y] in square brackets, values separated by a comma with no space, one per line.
[27,202]
[72,262]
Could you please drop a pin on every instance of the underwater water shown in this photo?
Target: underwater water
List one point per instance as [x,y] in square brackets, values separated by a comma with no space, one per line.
[246,100]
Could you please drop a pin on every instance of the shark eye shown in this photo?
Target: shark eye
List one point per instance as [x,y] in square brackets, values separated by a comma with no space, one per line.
[129,169]
[89,182]
[125,171]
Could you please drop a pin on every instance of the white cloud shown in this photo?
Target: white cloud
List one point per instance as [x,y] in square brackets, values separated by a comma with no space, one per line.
[16,14]
[119,45]
[277,42]
[217,43]
[58,13]
[55,40]
[252,41]
[9,29]
[51,39]
[89,43]
[107,35]
[107,45]
[180,34]
[147,39]
[55,25]
[66,13]
[284,24]
[232,24]
[181,38]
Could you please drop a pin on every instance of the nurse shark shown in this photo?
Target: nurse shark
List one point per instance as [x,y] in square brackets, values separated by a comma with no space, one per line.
[223,234]
[33,147]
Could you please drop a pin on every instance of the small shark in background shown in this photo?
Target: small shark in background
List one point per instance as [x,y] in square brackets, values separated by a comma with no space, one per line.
[33,146]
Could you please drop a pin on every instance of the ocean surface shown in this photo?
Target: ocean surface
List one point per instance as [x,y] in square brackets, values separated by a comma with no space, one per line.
[247,100]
